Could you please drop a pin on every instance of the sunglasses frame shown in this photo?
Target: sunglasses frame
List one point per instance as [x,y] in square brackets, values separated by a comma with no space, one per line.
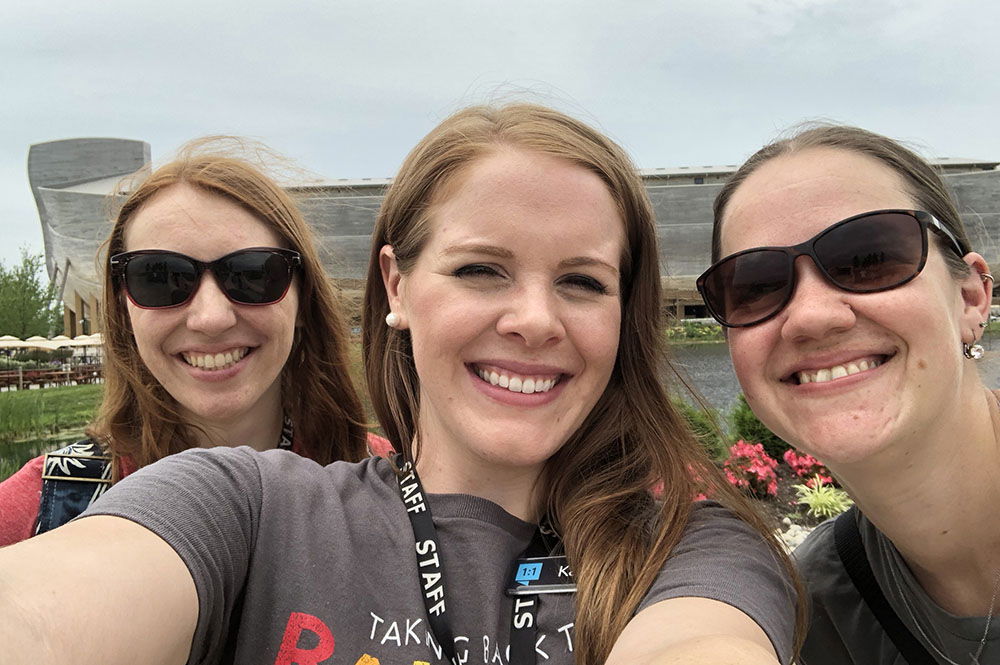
[119,262]
[925,221]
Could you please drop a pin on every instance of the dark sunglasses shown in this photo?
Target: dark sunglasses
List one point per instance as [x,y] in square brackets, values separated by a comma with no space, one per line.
[156,278]
[870,252]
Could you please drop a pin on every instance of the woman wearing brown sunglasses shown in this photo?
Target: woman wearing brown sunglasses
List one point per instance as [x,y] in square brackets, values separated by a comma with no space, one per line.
[855,308]
[253,354]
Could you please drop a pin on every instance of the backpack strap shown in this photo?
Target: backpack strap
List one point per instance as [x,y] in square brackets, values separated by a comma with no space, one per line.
[72,479]
[851,550]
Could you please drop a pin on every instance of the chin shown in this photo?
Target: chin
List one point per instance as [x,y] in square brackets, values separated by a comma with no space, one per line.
[215,409]
[520,452]
[838,449]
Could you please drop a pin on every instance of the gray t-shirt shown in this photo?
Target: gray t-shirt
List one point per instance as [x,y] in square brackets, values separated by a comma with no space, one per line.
[295,562]
[843,630]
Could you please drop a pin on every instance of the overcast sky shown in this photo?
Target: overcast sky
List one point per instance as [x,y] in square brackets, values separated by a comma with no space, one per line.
[346,87]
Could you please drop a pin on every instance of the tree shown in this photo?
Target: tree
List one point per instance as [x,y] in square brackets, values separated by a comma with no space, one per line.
[27,307]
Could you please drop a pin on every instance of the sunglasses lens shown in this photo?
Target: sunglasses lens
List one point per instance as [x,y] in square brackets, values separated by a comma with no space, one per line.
[160,280]
[254,277]
[872,253]
[748,288]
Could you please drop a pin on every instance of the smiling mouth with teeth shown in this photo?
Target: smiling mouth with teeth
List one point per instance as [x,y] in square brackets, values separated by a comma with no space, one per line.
[516,383]
[215,361]
[837,371]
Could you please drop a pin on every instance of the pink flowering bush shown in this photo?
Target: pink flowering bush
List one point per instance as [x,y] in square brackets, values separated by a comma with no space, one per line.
[807,466]
[751,469]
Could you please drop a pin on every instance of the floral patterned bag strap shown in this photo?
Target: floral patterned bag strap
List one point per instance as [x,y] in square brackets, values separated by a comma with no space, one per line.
[72,478]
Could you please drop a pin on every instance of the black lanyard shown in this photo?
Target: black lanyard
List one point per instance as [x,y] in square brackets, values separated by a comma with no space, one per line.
[285,439]
[532,570]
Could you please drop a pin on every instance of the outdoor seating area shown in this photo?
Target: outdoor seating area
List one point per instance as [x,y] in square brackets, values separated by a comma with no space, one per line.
[82,367]
[71,375]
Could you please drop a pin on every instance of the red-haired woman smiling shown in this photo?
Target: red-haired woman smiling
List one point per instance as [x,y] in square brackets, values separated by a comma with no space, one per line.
[220,328]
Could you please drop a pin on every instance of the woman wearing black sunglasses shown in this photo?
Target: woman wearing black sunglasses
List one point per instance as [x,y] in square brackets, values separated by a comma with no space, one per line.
[513,351]
[220,328]
[854,308]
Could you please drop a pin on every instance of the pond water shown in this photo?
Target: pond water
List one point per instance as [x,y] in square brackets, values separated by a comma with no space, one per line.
[14,454]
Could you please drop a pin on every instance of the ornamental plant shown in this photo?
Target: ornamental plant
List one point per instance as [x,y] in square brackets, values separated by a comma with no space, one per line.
[807,466]
[744,424]
[704,423]
[823,500]
[751,469]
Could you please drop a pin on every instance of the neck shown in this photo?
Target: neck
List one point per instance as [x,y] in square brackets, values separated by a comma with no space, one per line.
[512,488]
[259,429]
[935,496]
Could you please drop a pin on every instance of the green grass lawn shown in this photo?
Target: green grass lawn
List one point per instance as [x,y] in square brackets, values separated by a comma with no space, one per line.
[35,421]
[37,413]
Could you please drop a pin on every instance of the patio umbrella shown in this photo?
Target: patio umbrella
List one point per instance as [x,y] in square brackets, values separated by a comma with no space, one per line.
[87,341]
[11,342]
[39,342]
[81,340]
[61,340]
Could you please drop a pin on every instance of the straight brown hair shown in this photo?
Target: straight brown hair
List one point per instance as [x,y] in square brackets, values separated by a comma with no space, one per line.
[596,488]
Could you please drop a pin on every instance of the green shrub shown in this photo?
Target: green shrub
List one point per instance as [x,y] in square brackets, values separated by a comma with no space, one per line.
[704,422]
[686,330]
[747,426]
[823,500]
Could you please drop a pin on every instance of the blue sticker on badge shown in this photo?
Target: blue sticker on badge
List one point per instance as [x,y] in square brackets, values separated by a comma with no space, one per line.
[528,572]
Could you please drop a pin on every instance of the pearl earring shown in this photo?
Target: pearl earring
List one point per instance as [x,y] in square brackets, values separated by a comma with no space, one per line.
[392,320]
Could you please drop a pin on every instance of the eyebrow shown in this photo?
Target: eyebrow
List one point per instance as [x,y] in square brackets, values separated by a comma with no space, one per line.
[473,248]
[501,253]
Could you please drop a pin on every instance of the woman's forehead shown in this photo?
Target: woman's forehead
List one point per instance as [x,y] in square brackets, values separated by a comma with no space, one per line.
[792,197]
[196,222]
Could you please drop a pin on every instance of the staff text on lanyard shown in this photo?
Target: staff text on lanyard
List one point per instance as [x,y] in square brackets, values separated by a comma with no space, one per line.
[533,573]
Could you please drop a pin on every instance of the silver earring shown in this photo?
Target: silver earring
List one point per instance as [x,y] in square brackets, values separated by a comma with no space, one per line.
[973,351]
[392,319]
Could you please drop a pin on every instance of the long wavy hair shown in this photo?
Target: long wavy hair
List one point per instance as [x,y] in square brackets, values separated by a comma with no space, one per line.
[138,419]
[922,180]
[596,488]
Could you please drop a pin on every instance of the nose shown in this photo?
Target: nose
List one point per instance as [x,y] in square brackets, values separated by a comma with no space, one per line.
[532,315]
[209,311]
[817,308]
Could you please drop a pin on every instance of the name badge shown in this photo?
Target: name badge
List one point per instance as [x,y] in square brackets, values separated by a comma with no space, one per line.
[543,574]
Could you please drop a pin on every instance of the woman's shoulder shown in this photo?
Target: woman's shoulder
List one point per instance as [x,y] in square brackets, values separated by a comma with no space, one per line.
[818,549]
[820,566]
[711,520]
[19,495]
[276,471]
[717,541]
[722,557]
[244,459]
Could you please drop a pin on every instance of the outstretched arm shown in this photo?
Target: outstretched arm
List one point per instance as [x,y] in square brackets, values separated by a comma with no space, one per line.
[98,590]
[692,630]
